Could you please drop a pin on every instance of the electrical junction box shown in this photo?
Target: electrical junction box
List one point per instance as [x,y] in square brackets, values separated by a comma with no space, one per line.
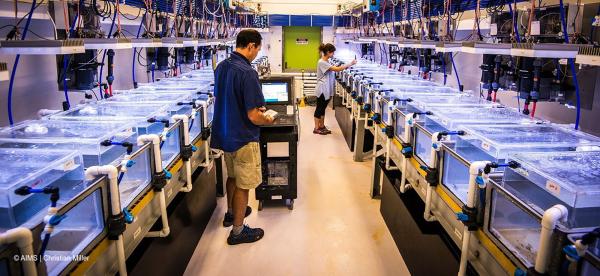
[370,5]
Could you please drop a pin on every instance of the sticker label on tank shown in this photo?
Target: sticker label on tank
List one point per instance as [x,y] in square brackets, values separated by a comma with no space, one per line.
[36,183]
[137,232]
[69,165]
[485,146]
[458,233]
[553,187]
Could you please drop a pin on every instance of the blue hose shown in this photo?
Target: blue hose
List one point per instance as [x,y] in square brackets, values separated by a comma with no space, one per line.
[104,54]
[134,50]
[66,64]
[444,68]
[516,29]
[16,64]
[455,71]
[120,177]
[571,63]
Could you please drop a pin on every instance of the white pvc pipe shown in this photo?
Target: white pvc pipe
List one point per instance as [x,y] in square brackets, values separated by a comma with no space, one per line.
[115,204]
[388,153]
[427,213]
[407,130]
[155,141]
[471,200]
[403,185]
[549,221]
[165,231]
[23,238]
[186,142]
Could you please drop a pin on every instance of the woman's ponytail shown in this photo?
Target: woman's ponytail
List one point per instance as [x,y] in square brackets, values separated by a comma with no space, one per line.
[326,48]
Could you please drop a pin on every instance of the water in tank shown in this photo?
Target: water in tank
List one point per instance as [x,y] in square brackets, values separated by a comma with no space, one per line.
[146,97]
[36,168]
[450,117]
[543,180]
[132,112]
[86,137]
[43,168]
[81,227]
[495,142]
[447,99]
[400,114]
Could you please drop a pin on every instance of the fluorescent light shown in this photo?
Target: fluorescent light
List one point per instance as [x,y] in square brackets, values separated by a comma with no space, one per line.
[473,47]
[544,50]
[107,43]
[146,42]
[448,47]
[42,47]
[172,42]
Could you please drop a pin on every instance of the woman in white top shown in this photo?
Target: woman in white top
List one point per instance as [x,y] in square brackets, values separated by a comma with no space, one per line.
[325,85]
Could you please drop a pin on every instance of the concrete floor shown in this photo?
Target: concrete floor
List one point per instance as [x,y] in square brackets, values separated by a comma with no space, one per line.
[334,229]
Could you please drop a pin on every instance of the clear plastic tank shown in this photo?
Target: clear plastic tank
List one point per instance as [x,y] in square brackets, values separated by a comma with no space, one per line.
[85,137]
[82,225]
[131,112]
[571,179]
[496,142]
[449,118]
[141,97]
[39,168]
[36,168]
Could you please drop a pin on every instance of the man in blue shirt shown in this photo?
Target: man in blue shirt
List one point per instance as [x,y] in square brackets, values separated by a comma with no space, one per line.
[239,111]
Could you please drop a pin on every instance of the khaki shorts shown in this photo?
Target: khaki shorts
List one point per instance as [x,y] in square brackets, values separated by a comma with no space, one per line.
[245,166]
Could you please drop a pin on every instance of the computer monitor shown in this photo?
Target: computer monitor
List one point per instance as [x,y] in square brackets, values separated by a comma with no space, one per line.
[276,92]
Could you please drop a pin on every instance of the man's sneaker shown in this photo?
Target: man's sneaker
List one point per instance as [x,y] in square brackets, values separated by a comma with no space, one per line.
[228,220]
[248,235]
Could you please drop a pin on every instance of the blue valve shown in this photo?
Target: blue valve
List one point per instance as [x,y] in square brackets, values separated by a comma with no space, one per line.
[571,252]
[462,216]
[168,174]
[375,117]
[479,180]
[194,148]
[129,218]
[406,150]
[56,219]
[168,134]
[520,272]
[434,146]
[130,163]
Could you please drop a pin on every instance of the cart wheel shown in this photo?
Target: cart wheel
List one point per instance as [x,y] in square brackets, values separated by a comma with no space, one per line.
[290,204]
[260,205]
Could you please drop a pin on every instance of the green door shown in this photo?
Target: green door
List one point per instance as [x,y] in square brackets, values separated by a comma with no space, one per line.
[301,48]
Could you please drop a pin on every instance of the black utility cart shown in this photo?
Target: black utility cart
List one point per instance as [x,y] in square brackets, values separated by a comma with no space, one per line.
[279,172]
